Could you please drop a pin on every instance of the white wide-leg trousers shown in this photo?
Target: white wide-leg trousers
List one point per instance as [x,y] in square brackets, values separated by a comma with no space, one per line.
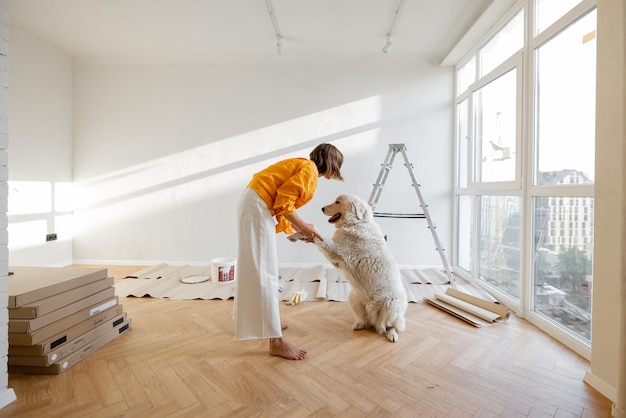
[256,306]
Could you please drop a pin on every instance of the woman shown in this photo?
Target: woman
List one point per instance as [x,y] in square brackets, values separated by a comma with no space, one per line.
[276,191]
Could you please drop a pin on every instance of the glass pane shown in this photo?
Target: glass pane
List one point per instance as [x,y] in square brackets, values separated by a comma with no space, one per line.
[464,234]
[503,45]
[563,261]
[566,80]
[462,155]
[500,243]
[466,75]
[549,11]
[495,131]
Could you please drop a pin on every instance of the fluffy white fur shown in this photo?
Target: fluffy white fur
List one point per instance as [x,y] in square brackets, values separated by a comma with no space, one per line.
[358,247]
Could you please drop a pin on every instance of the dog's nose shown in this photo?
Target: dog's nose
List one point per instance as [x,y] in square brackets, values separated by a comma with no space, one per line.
[323,210]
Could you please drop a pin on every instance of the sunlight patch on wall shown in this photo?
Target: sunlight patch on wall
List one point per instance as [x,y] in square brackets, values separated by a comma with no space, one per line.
[27,234]
[32,197]
[227,164]
[63,197]
[64,227]
[38,208]
[28,197]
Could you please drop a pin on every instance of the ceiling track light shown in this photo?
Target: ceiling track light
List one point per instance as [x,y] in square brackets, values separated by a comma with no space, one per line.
[279,46]
[388,44]
[279,37]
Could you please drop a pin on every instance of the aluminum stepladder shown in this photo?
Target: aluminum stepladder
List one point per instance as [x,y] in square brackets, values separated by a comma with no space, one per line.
[386,166]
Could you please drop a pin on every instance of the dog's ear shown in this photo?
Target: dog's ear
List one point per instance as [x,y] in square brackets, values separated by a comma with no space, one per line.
[362,210]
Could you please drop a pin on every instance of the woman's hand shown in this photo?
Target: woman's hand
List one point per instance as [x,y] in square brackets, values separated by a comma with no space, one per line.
[310,232]
[307,229]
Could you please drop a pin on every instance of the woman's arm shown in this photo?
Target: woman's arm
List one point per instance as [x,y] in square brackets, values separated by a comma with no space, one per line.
[299,225]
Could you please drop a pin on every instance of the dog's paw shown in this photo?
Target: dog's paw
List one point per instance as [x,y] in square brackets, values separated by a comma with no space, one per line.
[392,335]
[298,236]
[359,325]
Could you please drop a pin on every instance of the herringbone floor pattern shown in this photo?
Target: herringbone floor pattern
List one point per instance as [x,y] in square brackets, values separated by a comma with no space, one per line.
[180,360]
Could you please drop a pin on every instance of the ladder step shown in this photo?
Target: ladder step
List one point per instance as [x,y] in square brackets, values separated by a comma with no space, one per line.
[399,215]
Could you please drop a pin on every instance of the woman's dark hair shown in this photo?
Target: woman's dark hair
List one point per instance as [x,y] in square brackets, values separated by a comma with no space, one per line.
[328,160]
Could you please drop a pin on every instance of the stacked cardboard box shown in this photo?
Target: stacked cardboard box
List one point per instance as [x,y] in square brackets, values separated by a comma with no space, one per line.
[60,315]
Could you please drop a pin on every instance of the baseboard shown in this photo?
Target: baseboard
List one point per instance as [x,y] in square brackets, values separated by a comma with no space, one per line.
[57,264]
[6,397]
[617,413]
[62,264]
[141,262]
[177,263]
[208,262]
[601,386]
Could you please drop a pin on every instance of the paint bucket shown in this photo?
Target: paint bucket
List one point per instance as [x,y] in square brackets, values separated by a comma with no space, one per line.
[223,270]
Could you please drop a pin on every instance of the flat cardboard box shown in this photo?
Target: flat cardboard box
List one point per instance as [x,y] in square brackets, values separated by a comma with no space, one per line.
[52,303]
[67,349]
[32,325]
[69,361]
[28,284]
[64,346]
[57,335]
[49,331]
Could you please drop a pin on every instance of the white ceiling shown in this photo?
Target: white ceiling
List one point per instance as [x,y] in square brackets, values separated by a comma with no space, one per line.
[183,29]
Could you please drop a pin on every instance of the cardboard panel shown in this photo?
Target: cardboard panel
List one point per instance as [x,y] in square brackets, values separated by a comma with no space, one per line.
[65,350]
[50,304]
[63,346]
[78,355]
[32,325]
[61,335]
[28,284]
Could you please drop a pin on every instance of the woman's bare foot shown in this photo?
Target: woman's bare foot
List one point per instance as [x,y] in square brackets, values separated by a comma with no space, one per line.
[283,325]
[281,348]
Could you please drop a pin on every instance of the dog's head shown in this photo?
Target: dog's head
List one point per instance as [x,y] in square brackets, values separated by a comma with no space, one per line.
[348,209]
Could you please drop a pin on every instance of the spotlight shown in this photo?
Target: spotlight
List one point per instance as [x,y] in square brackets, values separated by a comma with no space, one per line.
[387,45]
[279,46]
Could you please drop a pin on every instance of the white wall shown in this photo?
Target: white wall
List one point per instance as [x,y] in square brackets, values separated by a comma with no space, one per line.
[607,356]
[162,153]
[7,395]
[40,109]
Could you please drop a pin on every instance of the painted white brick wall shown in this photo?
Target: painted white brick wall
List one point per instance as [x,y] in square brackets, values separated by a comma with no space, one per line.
[6,394]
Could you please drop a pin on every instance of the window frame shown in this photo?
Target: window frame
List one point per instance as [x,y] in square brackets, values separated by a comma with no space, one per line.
[525,61]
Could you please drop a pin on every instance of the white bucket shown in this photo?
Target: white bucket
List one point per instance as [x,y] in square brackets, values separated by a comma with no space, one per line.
[223,270]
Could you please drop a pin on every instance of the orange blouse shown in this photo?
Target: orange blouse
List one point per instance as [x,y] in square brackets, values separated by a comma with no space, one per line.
[285,187]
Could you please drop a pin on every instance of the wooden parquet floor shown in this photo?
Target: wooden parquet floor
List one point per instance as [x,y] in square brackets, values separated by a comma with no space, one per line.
[180,360]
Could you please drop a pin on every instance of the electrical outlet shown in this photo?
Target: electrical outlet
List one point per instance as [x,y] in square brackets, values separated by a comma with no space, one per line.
[51,237]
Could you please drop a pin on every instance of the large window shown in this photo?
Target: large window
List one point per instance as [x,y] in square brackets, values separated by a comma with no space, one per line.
[501,45]
[495,107]
[488,164]
[564,169]
[565,97]
[562,261]
[549,11]
[500,243]
[525,112]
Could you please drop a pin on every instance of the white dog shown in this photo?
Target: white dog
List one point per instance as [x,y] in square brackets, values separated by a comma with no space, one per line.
[358,247]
